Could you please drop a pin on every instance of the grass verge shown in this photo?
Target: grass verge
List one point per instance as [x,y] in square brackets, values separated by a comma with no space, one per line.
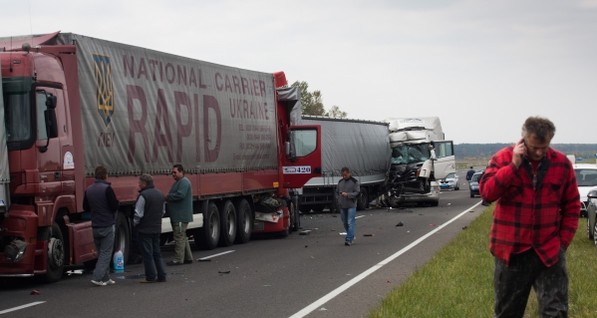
[458,280]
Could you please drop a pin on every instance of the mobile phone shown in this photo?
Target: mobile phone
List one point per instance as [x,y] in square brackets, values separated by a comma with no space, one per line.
[522,141]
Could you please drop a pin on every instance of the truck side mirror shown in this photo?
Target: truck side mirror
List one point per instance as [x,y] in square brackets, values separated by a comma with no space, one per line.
[51,122]
[51,101]
[592,194]
[290,151]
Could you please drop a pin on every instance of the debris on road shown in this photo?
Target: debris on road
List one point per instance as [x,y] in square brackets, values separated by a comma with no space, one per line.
[368,234]
[400,224]
[35,292]
[304,232]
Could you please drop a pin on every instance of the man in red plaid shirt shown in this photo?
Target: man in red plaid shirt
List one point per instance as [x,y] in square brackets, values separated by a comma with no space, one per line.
[534,221]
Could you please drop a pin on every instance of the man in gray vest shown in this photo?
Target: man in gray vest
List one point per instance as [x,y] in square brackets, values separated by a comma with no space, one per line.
[101,202]
[149,209]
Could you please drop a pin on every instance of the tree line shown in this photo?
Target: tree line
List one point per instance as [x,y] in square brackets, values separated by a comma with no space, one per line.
[312,103]
[583,152]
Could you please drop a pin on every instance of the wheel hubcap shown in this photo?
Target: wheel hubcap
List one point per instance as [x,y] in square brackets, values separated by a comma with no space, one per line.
[56,252]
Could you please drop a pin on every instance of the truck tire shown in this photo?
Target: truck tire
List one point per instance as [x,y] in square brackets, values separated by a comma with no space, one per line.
[122,236]
[56,255]
[228,224]
[244,214]
[363,200]
[207,237]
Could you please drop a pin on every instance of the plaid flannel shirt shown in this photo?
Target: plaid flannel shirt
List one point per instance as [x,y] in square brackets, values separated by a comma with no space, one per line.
[536,208]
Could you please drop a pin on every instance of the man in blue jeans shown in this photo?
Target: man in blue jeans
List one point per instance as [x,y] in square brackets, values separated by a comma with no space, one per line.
[348,191]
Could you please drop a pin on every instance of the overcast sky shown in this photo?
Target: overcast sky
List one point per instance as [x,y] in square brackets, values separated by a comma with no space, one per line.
[483,67]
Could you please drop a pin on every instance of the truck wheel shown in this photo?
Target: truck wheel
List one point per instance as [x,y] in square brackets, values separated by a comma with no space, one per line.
[122,236]
[56,260]
[363,201]
[228,224]
[207,237]
[245,221]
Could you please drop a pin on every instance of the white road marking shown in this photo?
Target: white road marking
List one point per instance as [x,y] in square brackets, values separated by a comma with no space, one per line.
[6,311]
[215,255]
[331,295]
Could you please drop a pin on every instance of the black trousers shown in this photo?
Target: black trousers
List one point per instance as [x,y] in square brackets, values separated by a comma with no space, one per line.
[512,285]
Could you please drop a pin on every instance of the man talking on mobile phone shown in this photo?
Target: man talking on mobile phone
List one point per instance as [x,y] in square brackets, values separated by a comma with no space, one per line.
[534,221]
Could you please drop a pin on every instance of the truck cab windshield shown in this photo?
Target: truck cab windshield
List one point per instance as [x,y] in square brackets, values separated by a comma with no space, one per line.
[411,153]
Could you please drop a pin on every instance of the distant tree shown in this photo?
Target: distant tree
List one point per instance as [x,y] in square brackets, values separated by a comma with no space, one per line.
[311,102]
[336,112]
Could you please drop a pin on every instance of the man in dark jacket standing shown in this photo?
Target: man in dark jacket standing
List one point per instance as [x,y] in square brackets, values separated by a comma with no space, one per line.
[348,191]
[180,209]
[101,202]
[149,210]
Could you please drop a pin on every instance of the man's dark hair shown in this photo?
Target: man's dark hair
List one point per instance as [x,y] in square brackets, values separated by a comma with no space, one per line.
[178,167]
[541,127]
[345,169]
[101,172]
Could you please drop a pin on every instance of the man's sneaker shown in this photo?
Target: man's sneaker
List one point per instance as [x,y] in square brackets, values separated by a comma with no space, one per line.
[110,282]
[348,243]
[98,283]
[174,263]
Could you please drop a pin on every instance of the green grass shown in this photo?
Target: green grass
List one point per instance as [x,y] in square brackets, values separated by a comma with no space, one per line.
[458,280]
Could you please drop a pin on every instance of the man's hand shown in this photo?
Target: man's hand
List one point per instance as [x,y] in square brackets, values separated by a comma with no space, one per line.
[520,150]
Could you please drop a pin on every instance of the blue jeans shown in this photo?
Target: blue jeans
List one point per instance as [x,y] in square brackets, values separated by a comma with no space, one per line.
[103,237]
[348,219]
[152,258]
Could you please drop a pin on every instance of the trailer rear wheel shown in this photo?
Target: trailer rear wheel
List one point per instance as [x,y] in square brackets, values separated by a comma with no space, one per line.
[207,237]
[228,224]
[56,255]
[245,221]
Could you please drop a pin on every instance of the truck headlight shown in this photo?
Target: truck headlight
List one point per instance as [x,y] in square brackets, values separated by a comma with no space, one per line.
[15,250]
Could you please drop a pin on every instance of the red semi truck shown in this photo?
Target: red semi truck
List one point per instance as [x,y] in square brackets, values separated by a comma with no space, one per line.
[71,102]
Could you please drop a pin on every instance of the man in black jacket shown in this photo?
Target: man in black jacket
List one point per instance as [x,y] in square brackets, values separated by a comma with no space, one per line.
[101,202]
[149,209]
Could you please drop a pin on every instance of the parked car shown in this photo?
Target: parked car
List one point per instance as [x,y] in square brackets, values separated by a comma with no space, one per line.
[450,182]
[592,216]
[473,184]
[586,178]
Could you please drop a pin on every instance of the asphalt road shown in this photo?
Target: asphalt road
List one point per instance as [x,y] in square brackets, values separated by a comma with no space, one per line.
[303,275]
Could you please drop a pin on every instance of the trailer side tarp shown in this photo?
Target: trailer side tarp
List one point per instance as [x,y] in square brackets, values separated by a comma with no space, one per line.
[143,111]
[363,146]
